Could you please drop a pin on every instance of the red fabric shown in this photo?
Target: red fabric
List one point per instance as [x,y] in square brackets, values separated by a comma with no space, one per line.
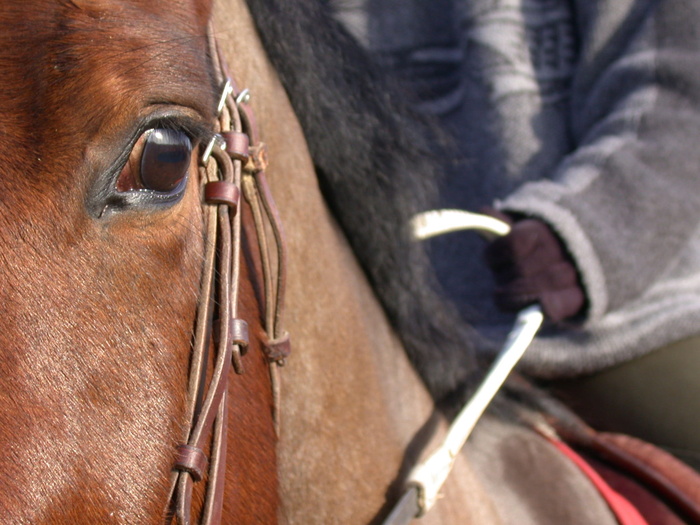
[623,510]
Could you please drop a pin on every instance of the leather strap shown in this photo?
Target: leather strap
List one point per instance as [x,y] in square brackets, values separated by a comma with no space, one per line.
[192,460]
[276,346]
[655,470]
[645,468]
[222,192]
[623,510]
[237,145]
[233,155]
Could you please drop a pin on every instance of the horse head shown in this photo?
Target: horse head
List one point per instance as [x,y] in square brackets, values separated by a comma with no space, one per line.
[105,109]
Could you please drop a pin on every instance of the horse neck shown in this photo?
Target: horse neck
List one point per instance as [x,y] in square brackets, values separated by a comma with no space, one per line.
[341,416]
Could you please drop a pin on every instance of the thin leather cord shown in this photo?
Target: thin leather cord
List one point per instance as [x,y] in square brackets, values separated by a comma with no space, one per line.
[263,197]
[231,264]
[276,226]
[205,313]
[207,405]
[226,232]
[253,197]
[218,384]
[217,473]
[181,493]
[258,197]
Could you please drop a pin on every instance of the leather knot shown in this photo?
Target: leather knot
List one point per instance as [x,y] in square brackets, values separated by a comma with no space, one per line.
[192,460]
[237,145]
[239,334]
[222,192]
[278,349]
[258,156]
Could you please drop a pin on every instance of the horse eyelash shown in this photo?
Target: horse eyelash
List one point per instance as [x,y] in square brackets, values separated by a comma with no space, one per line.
[197,131]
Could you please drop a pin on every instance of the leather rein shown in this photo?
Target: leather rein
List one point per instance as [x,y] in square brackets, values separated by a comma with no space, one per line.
[234,161]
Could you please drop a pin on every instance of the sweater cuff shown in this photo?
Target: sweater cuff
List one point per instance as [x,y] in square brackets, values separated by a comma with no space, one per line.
[565,225]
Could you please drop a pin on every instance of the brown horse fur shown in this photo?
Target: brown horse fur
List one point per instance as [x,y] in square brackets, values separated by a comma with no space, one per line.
[98,307]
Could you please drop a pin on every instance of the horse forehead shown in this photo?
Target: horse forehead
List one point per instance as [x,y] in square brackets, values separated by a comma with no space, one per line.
[55,41]
[78,65]
[201,9]
[46,16]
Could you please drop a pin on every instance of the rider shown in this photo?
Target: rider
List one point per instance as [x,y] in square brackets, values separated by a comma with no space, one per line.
[579,121]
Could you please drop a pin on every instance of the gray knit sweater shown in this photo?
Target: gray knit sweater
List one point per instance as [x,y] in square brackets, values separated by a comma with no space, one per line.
[585,114]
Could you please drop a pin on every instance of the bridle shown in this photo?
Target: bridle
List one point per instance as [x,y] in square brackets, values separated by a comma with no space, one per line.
[234,161]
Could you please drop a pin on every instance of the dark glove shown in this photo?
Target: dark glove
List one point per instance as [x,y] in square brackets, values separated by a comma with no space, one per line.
[531,265]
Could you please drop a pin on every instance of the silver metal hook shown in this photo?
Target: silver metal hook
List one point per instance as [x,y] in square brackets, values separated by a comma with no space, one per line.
[243,97]
[225,92]
[216,140]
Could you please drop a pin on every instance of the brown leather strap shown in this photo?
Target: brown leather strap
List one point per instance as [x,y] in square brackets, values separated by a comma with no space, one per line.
[207,405]
[239,334]
[257,194]
[222,192]
[213,405]
[265,214]
[192,460]
[237,145]
[662,475]
[659,472]
[222,171]
[278,349]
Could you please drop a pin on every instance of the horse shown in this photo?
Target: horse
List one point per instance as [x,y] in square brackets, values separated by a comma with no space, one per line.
[105,246]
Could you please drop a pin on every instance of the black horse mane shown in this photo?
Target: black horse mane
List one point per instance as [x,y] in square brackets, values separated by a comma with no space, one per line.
[377,168]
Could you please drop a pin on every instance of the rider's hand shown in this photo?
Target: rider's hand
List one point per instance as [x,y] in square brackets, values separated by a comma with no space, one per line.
[531,265]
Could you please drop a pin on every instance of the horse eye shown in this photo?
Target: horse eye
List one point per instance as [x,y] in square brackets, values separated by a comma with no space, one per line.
[159,162]
[165,159]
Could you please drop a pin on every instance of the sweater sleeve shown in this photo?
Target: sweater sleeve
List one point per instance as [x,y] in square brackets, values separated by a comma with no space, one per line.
[627,199]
